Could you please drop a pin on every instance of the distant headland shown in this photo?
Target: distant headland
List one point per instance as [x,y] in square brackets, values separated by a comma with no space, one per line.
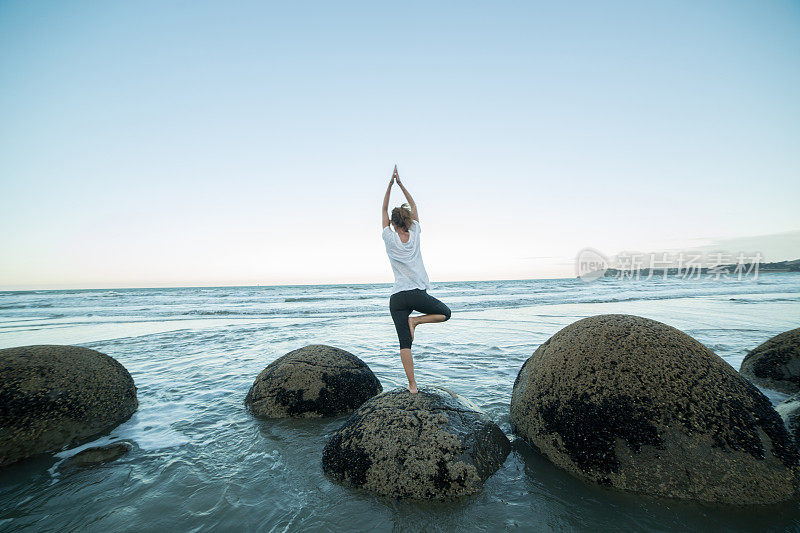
[727,270]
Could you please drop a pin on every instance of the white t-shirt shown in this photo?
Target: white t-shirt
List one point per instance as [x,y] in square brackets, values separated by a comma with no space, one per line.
[406,259]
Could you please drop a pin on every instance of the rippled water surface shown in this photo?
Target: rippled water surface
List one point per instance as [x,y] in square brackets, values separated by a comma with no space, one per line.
[200,462]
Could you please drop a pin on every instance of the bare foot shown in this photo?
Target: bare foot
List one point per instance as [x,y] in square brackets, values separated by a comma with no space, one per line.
[411,325]
[412,388]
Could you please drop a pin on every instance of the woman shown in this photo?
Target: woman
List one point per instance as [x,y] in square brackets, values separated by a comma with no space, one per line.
[410,279]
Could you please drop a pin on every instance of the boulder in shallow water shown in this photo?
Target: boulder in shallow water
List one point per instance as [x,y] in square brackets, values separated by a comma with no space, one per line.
[635,404]
[313,381]
[55,396]
[775,364]
[429,445]
[98,454]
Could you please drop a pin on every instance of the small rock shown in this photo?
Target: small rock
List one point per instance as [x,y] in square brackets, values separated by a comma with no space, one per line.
[98,454]
[789,410]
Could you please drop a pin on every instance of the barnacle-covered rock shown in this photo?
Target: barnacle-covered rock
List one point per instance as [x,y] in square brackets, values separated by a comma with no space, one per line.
[314,381]
[775,364]
[55,396]
[635,404]
[430,445]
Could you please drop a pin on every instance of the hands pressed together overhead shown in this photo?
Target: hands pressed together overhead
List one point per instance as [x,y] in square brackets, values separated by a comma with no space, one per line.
[385,207]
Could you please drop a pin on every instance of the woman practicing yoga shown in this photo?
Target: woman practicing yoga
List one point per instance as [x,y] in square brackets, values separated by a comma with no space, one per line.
[410,279]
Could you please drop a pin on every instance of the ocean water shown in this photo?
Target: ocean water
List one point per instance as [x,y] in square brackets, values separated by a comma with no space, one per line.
[201,462]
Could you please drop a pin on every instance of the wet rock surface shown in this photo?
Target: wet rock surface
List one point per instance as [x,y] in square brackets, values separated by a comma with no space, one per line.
[313,381]
[55,396]
[635,404]
[431,445]
[97,455]
[775,364]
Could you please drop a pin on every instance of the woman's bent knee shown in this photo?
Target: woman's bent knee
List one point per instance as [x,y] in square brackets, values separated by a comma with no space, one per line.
[446,313]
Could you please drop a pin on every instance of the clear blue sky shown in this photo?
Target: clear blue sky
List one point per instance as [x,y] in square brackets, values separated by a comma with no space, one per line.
[184,143]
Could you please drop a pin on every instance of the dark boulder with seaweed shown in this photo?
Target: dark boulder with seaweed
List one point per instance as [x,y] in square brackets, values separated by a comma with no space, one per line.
[430,445]
[775,364]
[632,403]
[52,397]
[311,382]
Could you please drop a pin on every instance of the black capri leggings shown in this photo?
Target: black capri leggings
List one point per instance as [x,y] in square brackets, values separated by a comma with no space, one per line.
[402,303]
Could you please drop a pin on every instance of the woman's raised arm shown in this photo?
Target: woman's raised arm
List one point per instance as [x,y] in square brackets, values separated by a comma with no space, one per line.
[385,208]
[411,203]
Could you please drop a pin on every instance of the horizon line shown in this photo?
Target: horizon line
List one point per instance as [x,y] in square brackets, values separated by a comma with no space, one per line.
[388,283]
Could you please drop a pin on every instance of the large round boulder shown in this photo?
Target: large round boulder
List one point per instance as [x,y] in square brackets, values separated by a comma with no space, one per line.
[430,445]
[635,404]
[310,382]
[775,364]
[53,396]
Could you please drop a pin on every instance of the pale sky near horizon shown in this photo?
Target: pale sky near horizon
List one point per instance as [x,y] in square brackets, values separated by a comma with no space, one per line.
[218,143]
